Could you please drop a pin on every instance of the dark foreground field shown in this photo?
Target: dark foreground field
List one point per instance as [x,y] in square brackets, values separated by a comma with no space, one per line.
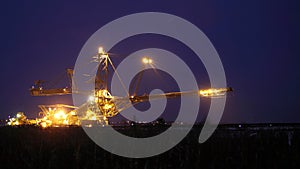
[230,147]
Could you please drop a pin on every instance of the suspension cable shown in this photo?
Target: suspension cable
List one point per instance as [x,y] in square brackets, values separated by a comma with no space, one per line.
[112,65]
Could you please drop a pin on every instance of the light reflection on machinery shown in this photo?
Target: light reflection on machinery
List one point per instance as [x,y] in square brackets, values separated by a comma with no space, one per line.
[213,92]
[105,103]
[100,105]
[57,115]
[110,106]
[20,119]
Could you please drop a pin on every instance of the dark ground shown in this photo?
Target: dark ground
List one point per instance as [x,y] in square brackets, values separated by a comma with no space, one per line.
[231,146]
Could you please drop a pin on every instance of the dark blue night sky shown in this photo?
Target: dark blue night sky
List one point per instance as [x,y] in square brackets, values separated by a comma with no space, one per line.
[258,43]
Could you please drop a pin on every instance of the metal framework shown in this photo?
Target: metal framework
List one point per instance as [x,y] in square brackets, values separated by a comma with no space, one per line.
[102,104]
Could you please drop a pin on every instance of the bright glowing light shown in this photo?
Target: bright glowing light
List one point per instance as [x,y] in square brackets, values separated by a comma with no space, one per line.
[103,93]
[91,98]
[147,60]
[107,106]
[213,92]
[101,50]
[43,124]
[19,115]
[54,117]
[73,113]
[89,125]
[104,55]
[66,122]
[60,115]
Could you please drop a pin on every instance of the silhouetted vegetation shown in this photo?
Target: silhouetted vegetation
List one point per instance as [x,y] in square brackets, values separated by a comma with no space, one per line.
[230,147]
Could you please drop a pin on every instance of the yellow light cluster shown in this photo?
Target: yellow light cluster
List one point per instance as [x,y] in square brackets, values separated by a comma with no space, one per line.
[147,60]
[53,117]
[57,117]
[60,115]
[213,92]
[101,50]
[19,119]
